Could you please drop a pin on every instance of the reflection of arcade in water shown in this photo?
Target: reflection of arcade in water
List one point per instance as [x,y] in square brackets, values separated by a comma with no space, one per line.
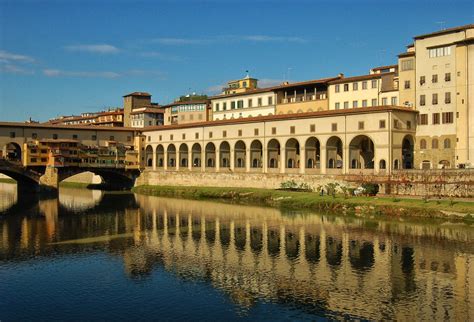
[377,270]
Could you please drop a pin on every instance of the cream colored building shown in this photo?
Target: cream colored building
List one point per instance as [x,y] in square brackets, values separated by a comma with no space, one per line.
[251,103]
[241,85]
[133,101]
[444,90]
[194,111]
[333,142]
[380,87]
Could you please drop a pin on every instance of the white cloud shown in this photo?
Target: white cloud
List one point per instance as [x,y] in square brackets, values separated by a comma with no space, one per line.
[159,55]
[6,57]
[95,49]
[228,38]
[13,69]
[92,74]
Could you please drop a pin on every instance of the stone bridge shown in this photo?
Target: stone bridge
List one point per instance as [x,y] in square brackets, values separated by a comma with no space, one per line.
[48,178]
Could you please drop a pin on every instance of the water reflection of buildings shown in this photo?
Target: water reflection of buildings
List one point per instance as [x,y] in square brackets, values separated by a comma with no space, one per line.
[376,270]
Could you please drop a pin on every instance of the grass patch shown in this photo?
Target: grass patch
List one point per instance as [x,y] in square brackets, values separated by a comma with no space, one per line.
[359,205]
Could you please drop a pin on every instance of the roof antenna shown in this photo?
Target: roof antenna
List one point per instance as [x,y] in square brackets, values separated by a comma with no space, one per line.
[442,24]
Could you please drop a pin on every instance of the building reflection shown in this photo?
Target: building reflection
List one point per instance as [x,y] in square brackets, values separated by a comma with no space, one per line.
[376,270]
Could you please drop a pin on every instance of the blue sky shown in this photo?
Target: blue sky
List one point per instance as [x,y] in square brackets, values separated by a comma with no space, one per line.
[66,57]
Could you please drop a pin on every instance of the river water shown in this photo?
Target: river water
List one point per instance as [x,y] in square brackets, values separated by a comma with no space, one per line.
[89,255]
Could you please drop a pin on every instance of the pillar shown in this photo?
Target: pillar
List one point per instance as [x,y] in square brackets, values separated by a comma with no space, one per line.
[177,160]
[302,160]
[49,181]
[265,158]
[345,159]
[282,159]
[190,159]
[165,159]
[322,159]
[154,158]
[247,160]
[203,159]
[218,159]
[232,159]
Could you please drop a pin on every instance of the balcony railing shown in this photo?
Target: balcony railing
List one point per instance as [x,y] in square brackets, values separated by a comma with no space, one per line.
[304,98]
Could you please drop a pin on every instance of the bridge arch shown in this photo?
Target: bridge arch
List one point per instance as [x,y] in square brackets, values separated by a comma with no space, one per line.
[149,156]
[12,152]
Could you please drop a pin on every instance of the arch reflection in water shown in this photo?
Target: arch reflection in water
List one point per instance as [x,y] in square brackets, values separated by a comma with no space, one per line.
[312,263]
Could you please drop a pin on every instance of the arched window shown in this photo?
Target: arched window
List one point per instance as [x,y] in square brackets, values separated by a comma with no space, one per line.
[447,143]
[423,144]
[434,144]
[382,164]
[396,164]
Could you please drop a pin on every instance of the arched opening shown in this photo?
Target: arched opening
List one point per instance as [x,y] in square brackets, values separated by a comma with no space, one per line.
[292,245]
[256,153]
[273,244]
[292,151]
[444,164]
[312,248]
[210,151]
[333,251]
[171,156]
[183,155]
[361,152]
[447,143]
[273,153]
[224,154]
[160,156]
[396,164]
[422,144]
[361,255]
[196,155]
[382,164]
[149,156]
[240,237]
[334,152]
[239,154]
[313,153]
[408,147]
[434,144]
[13,152]
[256,240]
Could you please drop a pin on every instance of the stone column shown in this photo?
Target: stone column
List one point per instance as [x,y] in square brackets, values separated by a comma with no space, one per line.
[154,158]
[264,159]
[345,160]
[190,160]
[165,159]
[218,159]
[247,160]
[282,160]
[177,160]
[322,159]
[49,181]
[302,160]
[232,159]
[203,159]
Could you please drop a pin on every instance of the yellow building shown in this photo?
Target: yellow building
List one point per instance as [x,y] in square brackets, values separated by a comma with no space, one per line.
[240,85]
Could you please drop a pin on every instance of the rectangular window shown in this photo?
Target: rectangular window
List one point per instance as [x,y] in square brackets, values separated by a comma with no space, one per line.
[422,80]
[374,83]
[334,127]
[12,135]
[224,106]
[407,84]
[232,105]
[447,77]
[434,79]
[407,64]
[364,85]
[171,137]
[55,136]
[396,124]
[346,87]
[224,134]
[346,105]
[33,159]
[196,135]
[440,51]
[240,132]
[240,104]
[250,102]
[384,101]
[292,129]
[364,103]
[374,102]
[447,117]
[355,104]
[210,135]
[183,136]
[355,86]
[274,130]
[409,125]
[393,100]
[270,100]
[361,125]
[337,88]
[216,107]
[434,99]
[337,106]
[259,101]
[422,100]
[382,124]
[312,128]
[435,118]
[423,119]
[255,132]
[447,97]
[160,138]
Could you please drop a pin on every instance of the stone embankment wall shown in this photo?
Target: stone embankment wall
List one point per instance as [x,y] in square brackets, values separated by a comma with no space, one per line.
[431,183]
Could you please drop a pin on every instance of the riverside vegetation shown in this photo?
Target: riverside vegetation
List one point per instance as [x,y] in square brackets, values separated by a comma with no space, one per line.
[336,199]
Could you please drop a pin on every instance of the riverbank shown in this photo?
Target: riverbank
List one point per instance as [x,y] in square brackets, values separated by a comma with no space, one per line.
[363,206]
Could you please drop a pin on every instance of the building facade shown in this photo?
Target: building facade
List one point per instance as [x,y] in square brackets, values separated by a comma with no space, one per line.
[186,112]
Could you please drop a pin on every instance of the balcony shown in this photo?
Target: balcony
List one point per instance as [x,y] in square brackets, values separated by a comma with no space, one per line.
[299,98]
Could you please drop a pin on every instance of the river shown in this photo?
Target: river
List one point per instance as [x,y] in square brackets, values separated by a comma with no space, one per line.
[90,255]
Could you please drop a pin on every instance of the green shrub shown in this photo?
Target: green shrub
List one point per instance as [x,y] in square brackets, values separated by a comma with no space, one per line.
[371,189]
